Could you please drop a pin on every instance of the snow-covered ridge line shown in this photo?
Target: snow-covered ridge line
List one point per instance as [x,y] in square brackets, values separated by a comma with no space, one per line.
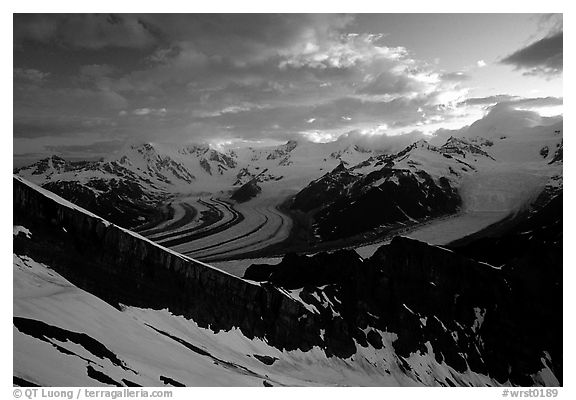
[121,267]
[51,196]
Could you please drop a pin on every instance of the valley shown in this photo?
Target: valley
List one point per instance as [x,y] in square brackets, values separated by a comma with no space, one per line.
[307,197]
[222,228]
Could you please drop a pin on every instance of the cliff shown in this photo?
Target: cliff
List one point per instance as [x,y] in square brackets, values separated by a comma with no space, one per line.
[124,268]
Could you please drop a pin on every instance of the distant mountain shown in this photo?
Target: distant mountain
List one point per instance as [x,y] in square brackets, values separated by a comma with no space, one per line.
[335,185]
[108,188]
[130,187]
[418,182]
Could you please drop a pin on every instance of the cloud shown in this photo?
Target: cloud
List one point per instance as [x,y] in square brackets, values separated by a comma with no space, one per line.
[455,76]
[339,52]
[82,31]
[65,101]
[488,99]
[502,119]
[542,57]
[97,148]
[381,141]
[58,126]
[30,75]
[550,24]
[95,71]
[535,102]
[515,101]
[241,77]
[150,111]
[276,83]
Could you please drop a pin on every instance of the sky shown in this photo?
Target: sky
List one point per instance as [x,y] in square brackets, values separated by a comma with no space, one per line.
[85,85]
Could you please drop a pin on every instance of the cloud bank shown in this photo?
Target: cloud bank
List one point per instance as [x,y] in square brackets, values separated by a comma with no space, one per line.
[245,77]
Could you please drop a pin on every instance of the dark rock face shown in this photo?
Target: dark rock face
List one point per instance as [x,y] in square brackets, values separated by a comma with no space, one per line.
[120,267]
[265,359]
[119,201]
[339,202]
[169,381]
[282,151]
[499,322]
[530,253]
[297,271]
[128,191]
[206,165]
[120,198]
[52,334]
[413,197]
[323,190]
[462,147]
[558,155]
[225,161]
[247,191]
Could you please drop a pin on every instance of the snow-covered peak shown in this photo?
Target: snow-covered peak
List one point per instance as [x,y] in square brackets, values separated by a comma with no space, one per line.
[49,168]
[421,143]
[462,147]
[195,149]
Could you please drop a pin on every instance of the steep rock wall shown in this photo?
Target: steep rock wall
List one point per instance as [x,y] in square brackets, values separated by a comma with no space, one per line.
[124,268]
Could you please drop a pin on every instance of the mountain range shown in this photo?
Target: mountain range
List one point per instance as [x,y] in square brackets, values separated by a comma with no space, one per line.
[143,176]
[96,304]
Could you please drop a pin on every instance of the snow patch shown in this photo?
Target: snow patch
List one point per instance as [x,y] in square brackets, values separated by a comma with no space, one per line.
[18,229]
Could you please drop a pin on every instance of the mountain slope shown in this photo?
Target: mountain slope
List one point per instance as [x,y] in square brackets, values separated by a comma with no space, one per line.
[96,304]
[418,182]
[131,188]
[449,303]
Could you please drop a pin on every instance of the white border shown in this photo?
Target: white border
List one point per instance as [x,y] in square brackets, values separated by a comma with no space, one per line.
[356,6]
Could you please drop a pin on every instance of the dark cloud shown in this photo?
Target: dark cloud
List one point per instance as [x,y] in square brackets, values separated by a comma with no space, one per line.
[25,159]
[195,77]
[245,39]
[37,127]
[82,31]
[96,148]
[36,100]
[542,57]
[30,75]
[96,71]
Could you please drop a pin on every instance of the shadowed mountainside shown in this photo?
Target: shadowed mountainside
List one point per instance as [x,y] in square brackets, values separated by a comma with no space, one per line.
[460,314]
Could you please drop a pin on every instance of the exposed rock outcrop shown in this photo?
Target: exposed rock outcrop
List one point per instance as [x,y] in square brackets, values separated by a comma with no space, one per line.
[505,321]
[247,191]
[124,268]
